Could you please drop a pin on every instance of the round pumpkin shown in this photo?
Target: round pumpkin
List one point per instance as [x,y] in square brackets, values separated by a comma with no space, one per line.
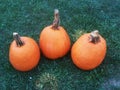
[24,53]
[54,41]
[89,51]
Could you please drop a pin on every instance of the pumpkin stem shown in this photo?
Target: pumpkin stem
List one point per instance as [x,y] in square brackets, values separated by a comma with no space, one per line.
[56,21]
[94,37]
[18,40]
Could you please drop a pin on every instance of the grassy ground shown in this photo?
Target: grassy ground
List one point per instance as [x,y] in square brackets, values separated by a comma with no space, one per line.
[29,17]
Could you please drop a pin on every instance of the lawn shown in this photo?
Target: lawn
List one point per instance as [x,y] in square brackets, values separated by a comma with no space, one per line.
[29,17]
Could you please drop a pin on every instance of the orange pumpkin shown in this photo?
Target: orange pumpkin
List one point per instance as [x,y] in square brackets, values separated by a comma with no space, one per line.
[24,53]
[89,51]
[54,40]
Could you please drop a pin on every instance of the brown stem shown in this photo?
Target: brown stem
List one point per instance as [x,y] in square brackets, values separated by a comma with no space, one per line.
[18,40]
[94,37]
[56,21]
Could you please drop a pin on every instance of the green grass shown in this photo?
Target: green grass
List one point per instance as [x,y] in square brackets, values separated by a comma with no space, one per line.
[29,17]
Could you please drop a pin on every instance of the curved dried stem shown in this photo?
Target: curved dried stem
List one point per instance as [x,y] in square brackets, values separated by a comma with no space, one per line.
[56,21]
[18,40]
[94,37]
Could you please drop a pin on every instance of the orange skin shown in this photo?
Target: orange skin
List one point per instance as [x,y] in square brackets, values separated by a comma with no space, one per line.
[54,43]
[26,57]
[87,55]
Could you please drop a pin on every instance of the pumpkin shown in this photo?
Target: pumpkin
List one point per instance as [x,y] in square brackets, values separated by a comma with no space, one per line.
[54,41]
[24,53]
[89,51]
